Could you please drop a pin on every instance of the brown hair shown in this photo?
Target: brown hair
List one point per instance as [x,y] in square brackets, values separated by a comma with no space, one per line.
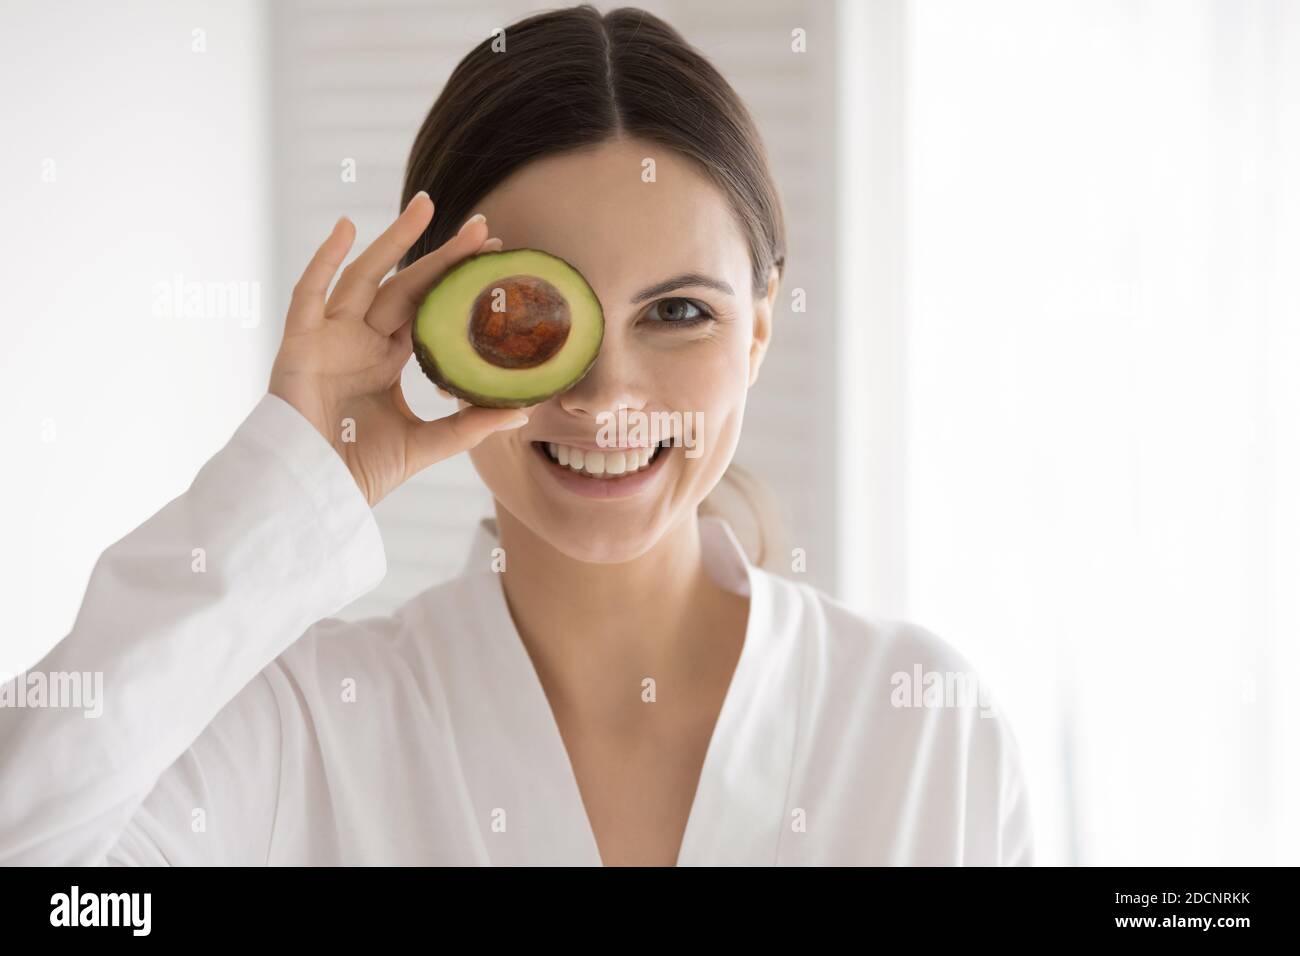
[574,78]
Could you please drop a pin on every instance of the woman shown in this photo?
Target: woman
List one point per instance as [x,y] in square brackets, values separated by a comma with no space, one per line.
[610,680]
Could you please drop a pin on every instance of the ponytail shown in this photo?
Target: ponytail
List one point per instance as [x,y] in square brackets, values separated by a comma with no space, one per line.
[749,507]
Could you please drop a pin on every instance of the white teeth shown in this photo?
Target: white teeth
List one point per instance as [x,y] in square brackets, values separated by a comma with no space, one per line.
[594,463]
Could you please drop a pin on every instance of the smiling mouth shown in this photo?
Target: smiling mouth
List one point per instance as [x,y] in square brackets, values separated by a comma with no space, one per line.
[608,464]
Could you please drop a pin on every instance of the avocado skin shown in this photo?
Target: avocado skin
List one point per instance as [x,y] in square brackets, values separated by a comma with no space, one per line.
[429,365]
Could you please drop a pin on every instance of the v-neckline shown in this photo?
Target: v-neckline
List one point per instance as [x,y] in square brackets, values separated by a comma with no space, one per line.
[728,789]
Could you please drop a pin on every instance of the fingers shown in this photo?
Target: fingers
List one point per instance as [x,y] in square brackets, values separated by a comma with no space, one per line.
[402,294]
[360,280]
[430,442]
[307,304]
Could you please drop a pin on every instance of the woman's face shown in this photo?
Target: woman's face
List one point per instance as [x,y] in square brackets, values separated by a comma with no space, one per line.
[692,345]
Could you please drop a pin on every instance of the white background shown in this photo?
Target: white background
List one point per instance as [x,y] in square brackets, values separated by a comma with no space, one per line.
[1042,401]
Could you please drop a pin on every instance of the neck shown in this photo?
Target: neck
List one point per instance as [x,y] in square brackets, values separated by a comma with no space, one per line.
[596,628]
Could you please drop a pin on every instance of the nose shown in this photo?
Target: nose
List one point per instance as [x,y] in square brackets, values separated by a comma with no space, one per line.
[614,381]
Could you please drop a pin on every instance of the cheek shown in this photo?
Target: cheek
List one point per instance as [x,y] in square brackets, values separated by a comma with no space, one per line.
[711,372]
[496,462]
[709,381]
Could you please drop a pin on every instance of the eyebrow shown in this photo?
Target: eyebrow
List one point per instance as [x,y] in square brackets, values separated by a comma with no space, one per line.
[680,282]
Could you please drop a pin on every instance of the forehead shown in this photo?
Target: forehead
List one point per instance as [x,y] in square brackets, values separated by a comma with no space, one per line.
[592,208]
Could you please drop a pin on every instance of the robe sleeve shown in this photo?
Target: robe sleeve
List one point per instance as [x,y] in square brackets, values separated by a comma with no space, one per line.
[180,617]
[1015,824]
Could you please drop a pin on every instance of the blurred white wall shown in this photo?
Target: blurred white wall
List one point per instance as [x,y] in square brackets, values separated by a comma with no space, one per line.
[135,158]
[1096,331]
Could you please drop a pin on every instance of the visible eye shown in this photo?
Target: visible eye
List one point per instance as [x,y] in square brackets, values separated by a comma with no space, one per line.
[680,312]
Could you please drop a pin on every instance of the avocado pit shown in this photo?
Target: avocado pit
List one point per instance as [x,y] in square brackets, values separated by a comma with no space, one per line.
[519,321]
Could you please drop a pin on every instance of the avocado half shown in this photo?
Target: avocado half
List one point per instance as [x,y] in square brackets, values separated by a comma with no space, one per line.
[508,329]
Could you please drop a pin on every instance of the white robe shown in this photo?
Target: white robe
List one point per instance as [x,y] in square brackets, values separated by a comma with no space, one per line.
[242,724]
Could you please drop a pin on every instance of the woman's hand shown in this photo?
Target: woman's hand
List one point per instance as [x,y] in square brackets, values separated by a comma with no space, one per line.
[341,358]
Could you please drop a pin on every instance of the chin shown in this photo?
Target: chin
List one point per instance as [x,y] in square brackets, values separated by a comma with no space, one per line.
[595,539]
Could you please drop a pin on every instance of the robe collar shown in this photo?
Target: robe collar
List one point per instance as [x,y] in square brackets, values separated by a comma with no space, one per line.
[516,759]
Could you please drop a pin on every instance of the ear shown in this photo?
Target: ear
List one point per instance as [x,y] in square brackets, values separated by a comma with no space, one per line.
[763,324]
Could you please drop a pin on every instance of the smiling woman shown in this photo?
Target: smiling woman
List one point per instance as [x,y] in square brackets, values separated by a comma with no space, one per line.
[610,679]
[639,165]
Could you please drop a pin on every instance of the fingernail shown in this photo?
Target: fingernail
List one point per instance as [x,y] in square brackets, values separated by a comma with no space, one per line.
[415,197]
[477,217]
[517,422]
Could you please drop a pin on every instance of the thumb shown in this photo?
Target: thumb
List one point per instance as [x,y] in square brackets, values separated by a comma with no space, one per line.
[430,442]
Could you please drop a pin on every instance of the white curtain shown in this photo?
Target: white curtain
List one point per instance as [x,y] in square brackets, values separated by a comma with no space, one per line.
[1095,318]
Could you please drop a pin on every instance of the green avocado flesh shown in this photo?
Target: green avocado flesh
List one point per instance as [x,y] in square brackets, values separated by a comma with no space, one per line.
[508,329]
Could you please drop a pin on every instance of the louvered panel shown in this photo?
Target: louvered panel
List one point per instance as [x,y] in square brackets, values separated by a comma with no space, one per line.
[324,73]
[355,80]
[351,110]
